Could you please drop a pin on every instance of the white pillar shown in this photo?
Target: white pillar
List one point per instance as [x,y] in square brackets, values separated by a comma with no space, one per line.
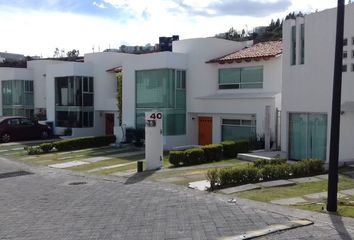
[153,140]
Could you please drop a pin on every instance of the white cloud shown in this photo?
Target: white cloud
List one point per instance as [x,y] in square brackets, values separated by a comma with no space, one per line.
[99,5]
[35,32]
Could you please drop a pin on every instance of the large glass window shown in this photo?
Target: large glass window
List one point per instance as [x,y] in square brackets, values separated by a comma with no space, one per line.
[235,78]
[307,136]
[162,90]
[17,98]
[302,38]
[74,101]
[238,129]
[293,45]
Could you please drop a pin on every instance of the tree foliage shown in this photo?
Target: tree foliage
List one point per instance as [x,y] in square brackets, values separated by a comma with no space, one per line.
[271,32]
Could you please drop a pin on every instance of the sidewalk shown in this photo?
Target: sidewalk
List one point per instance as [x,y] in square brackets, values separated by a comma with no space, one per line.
[60,204]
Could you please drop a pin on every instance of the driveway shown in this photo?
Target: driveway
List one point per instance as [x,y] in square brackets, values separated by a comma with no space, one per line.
[59,204]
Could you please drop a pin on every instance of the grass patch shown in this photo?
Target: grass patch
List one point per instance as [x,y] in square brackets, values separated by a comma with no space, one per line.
[269,194]
[345,207]
[122,169]
[104,163]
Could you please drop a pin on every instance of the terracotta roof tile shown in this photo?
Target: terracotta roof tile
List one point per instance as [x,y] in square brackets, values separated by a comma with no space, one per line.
[259,51]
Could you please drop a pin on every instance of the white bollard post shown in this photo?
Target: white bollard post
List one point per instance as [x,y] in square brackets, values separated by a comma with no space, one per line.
[153,140]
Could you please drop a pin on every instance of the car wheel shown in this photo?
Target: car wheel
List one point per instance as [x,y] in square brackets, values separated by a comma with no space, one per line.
[5,137]
[44,135]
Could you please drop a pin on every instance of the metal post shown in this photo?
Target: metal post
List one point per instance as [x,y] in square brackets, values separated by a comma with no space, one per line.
[335,120]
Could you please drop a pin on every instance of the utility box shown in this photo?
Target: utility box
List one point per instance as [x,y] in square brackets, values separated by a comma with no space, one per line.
[153,140]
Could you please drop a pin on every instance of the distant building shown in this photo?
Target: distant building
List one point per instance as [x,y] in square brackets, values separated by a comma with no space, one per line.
[165,43]
[11,57]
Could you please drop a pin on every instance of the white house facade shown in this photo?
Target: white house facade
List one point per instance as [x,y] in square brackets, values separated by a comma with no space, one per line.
[308,62]
[203,98]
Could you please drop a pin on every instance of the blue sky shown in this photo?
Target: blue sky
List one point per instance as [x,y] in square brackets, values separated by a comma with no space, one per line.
[37,27]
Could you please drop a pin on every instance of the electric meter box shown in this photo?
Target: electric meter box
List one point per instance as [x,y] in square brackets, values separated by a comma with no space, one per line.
[153,140]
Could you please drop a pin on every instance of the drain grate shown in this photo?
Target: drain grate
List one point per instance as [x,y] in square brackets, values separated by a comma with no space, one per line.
[14,174]
[77,183]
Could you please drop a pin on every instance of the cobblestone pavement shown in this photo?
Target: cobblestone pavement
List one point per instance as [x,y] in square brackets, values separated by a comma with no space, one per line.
[45,206]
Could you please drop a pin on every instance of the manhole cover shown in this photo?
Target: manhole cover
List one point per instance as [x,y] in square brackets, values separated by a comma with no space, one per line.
[14,174]
[77,183]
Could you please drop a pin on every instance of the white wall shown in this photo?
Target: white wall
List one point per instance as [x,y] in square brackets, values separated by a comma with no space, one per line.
[202,81]
[308,87]
[39,68]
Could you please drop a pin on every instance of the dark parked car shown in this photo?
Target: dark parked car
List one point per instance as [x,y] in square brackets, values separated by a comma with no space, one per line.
[22,128]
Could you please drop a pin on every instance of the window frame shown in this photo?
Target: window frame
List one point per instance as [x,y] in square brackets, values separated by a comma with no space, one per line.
[240,84]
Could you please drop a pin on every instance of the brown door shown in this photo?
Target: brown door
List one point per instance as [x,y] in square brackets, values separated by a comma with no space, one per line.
[109,123]
[205,130]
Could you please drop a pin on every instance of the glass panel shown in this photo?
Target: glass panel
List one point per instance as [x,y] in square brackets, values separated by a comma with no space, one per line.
[231,121]
[307,136]
[229,86]
[91,84]
[229,75]
[317,136]
[302,60]
[85,84]
[181,99]
[252,75]
[237,132]
[298,136]
[293,45]
[251,86]
[155,88]
[88,99]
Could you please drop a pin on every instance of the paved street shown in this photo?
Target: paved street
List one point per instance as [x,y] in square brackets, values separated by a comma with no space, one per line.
[44,205]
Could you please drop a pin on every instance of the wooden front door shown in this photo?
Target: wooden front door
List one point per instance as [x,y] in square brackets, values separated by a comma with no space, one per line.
[109,123]
[205,130]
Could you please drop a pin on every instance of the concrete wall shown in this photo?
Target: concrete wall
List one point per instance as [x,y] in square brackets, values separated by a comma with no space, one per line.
[39,69]
[308,87]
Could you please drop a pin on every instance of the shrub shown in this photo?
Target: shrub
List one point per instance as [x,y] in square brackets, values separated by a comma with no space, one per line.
[306,168]
[193,156]
[264,172]
[212,176]
[46,147]
[242,146]
[67,132]
[238,176]
[260,163]
[32,150]
[177,158]
[212,152]
[275,172]
[229,149]
[83,142]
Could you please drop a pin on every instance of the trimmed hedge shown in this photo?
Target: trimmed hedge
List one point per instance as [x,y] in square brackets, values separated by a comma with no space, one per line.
[46,147]
[220,178]
[229,149]
[177,158]
[83,142]
[232,148]
[193,156]
[72,144]
[260,163]
[212,152]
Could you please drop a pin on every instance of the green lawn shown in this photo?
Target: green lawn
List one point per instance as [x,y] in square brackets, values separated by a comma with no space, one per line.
[298,190]
[345,207]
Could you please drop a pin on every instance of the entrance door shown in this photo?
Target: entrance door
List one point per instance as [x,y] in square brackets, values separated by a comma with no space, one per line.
[109,123]
[205,130]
